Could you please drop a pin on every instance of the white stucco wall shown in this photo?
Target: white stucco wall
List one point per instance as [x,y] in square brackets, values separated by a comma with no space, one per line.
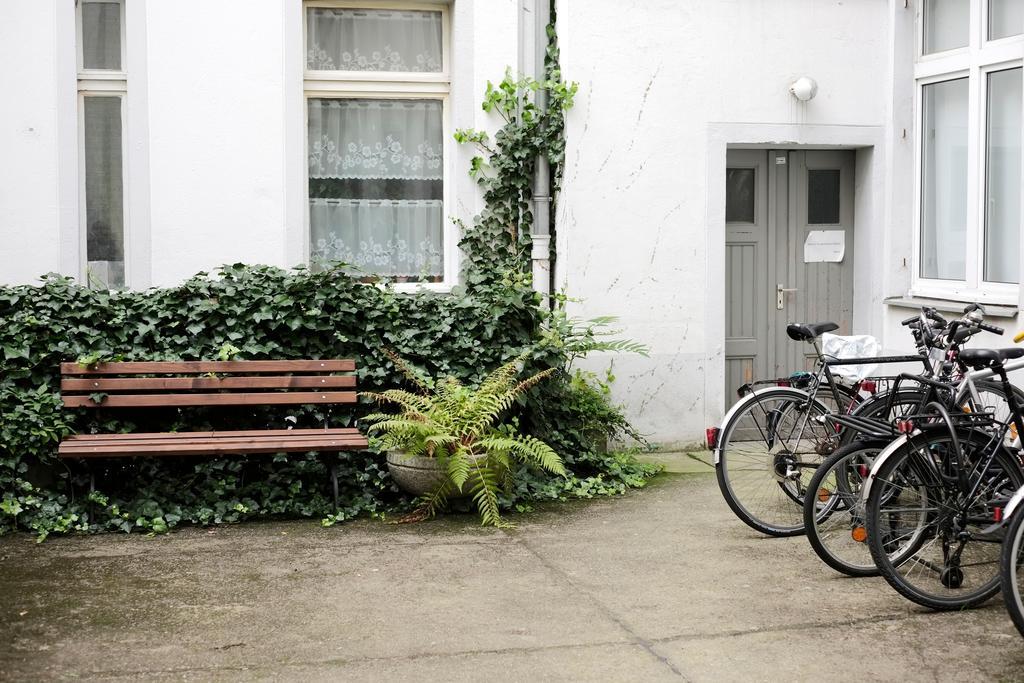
[216,125]
[30,138]
[215,132]
[641,216]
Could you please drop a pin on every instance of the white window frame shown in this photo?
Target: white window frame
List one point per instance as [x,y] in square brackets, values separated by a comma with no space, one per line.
[974,62]
[101,83]
[390,85]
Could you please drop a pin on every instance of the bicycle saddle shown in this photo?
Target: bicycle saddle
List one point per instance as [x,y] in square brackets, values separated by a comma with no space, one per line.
[984,358]
[808,331]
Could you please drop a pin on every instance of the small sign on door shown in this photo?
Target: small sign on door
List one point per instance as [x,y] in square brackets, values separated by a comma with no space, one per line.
[825,246]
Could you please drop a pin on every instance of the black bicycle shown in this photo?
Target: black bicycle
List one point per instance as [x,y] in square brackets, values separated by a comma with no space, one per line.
[932,496]
[834,513]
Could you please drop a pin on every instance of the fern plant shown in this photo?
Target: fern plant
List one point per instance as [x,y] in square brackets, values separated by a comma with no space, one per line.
[458,425]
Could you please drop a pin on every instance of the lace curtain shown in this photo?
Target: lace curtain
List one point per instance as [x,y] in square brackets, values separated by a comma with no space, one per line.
[101,35]
[376,186]
[104,191]
[372,40]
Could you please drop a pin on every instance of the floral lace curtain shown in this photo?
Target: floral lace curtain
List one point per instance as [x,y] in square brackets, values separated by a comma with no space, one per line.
[372,40]
[376,186]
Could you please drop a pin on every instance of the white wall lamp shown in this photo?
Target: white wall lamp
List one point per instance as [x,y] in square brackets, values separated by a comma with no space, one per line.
[804,88]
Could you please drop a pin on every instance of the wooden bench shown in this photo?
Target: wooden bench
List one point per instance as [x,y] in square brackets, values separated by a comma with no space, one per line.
[164,384]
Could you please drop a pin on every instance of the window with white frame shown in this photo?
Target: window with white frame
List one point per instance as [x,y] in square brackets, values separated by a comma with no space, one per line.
[376,86]
[102,83]
[969,95]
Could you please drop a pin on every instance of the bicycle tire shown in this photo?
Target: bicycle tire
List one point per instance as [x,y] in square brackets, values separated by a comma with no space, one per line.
[777,428]
[833,534]
[1012,572]
[910,568]
[836,532]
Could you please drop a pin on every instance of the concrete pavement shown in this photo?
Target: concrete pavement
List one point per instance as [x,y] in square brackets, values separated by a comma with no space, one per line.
[661,584]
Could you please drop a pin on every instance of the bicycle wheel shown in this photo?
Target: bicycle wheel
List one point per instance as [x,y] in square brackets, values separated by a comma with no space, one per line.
[992,399]
[767,451]
[1012,570]
[925,532]
[885,407]
[834,511]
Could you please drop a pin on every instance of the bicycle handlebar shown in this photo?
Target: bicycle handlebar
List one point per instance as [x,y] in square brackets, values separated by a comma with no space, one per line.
[932,314]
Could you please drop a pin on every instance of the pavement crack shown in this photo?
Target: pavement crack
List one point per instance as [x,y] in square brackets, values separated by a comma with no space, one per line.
[804,626]
[645,643]
[229,646]
[345,661]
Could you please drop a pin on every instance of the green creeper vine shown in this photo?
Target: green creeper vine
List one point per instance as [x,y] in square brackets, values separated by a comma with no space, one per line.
[496,248]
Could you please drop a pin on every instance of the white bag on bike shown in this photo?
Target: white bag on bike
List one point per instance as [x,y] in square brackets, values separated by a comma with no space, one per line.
[851,346]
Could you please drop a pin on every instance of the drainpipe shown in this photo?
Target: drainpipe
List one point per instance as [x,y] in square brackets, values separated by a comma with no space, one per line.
[534,17]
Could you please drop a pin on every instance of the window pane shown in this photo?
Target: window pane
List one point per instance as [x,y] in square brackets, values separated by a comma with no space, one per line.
[101,35]
[1002,176]
[823,196]
[945,24]
[1005,18]
[104,194]
[739,195]
[372,40]
[376,186]
[944,180]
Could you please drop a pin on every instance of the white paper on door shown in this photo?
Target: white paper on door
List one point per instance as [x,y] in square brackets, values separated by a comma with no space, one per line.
[825,246]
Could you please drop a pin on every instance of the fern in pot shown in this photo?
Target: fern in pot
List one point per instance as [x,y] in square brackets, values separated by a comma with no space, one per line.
[446,440]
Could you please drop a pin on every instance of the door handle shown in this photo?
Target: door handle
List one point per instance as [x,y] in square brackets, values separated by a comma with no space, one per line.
[780,295]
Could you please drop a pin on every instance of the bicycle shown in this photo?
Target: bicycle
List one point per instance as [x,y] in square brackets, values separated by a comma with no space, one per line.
[771,440]
[834,514]
[932,494]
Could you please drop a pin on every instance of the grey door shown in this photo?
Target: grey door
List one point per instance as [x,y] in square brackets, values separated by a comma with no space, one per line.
[775,199]
[746,268]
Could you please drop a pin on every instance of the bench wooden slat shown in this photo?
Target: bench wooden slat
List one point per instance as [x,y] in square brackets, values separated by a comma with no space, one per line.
[156,439]
[239,399]
[198,367]
[229,434]
[251,446]
[108,384]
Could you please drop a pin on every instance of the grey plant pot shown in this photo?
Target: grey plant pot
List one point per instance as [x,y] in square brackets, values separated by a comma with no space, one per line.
[419,474]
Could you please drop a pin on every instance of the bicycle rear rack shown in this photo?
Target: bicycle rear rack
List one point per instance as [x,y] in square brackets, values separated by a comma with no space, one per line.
[890,429]
[877,429]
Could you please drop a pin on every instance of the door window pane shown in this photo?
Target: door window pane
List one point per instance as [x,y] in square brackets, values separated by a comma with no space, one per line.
[376,186]
[945,24]
[101,35]
[823,196]
[739,195]
[944,180]
[104,192]
[372,40]
[1003,176]
[1005,18]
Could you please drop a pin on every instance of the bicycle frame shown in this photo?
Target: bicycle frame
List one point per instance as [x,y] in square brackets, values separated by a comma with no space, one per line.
[967,383]
[965,387]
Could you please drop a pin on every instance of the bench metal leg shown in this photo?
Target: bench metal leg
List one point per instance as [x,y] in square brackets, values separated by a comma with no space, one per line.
[330,461]
[91,506]
[334,482]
